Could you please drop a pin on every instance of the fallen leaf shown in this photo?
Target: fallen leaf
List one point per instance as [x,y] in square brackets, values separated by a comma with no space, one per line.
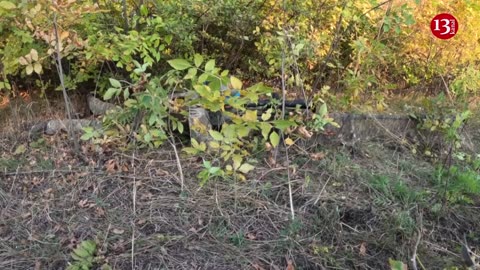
[110,166]
[304,132]
[38,265]
[20,149]
[83,203]
[317,156]
[271,161]
[119,246]
[363,249]
[118,231]
[268,146]
[257,267]
[329,133]
[251,236]
[99,212]
[289,141]
[290,265]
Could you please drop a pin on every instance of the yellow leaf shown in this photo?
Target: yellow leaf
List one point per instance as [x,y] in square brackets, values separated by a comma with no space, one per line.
[241,177]
[214,145]
[22,61]
[237,161]
[245,168]
[267,115]
[20,149]
[7,5]
[64,35]
[29,69]
[236,83]
[289,141]
[250,115]
[34,54]
[37,67]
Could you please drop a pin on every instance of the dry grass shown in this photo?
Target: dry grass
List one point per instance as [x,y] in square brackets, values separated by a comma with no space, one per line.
[45,212]
[49,202]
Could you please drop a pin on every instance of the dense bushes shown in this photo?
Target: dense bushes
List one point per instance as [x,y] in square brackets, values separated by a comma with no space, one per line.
[353,47]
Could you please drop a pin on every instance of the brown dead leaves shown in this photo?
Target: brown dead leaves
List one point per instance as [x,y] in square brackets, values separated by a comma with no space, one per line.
[113,166]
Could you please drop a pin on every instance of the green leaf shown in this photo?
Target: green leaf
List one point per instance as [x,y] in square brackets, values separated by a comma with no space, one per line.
[274,139]
[323,110]
[260,88]
[156,133]
[224,73]
[81,252]
[284,124]
[78,259]
[110,92]
[115,83]
[203,78]
[197,59]
[265,128]
[245,168]
[73,267]
[214,170]
[7,5]
[179,64]
[105,266]
[89,245]
[147,137]
[202,90]
[396,265]
[180,127]
[207,164]
[210,65]
[236,83]
[86,136]
[216,135]
[190,150]
[198,146]
[243,131]
[191,73]
[194,143]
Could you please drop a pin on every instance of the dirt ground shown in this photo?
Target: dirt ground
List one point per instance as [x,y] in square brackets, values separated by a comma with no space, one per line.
[355,208]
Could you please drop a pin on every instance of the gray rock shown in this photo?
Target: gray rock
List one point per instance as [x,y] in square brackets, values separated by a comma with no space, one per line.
[99,107]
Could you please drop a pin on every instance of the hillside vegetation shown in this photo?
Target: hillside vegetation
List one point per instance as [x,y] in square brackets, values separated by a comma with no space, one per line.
[304,181]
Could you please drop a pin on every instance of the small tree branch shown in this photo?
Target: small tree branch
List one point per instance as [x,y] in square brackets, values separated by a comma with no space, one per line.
[58,62]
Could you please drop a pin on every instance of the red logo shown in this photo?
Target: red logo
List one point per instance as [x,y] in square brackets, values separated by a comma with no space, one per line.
[444,26]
